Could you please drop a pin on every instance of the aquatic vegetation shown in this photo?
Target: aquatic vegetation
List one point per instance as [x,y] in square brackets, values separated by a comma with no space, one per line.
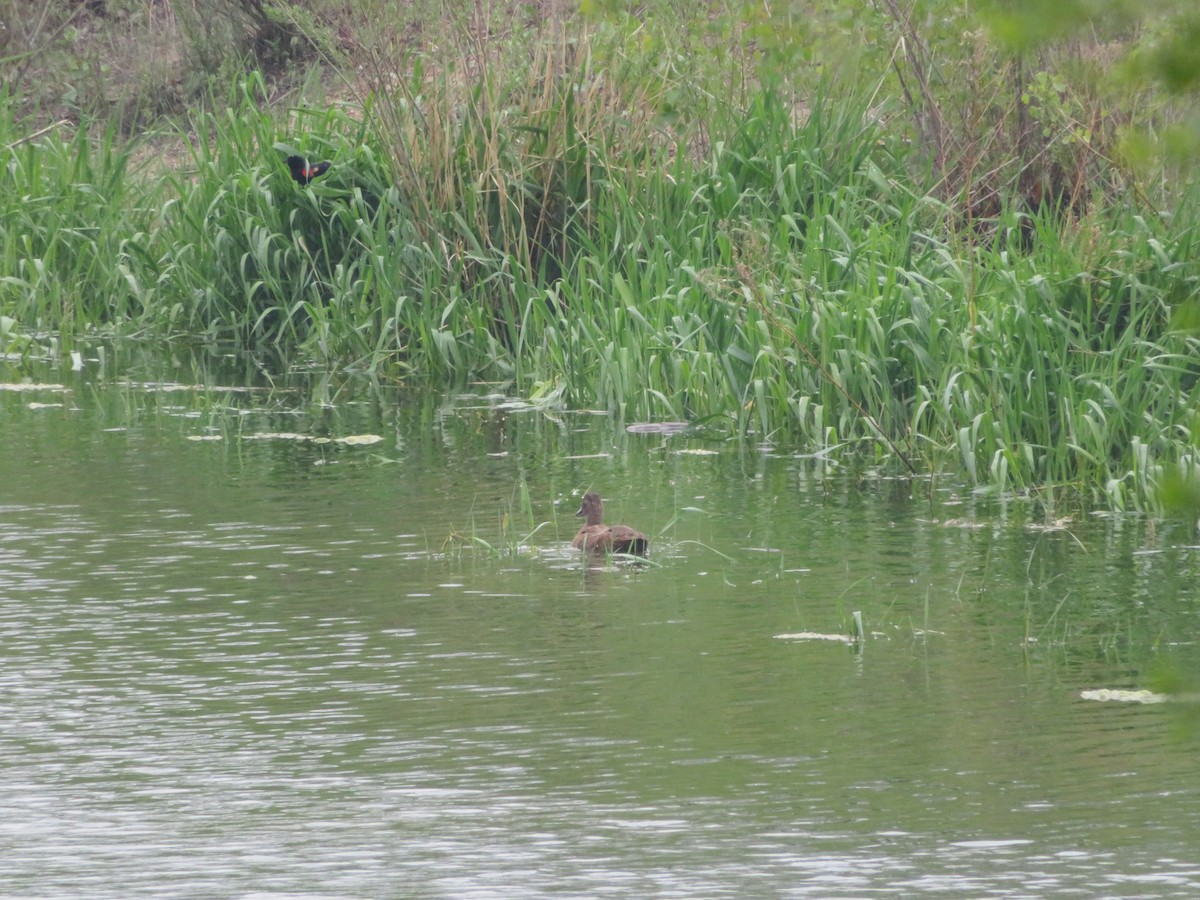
[579,219]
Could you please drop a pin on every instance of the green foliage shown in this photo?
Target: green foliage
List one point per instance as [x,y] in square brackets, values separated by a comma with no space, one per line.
[619,218]
[62,217]
[1152,44]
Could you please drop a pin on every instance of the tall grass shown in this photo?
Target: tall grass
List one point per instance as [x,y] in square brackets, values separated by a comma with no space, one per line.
[569,217]
[63,211]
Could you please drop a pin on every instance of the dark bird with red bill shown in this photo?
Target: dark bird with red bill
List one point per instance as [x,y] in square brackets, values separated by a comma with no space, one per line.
[303,172]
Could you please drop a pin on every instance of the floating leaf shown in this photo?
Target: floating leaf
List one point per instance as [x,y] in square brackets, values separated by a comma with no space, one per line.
[360,439]
[815,636]
[33,387]
[1106,694]
[657,427]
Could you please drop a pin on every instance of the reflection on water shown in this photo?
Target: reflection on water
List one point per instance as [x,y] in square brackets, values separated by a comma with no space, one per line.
[255,669]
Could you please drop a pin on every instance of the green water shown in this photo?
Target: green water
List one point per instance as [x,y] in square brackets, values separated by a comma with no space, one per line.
[263,667]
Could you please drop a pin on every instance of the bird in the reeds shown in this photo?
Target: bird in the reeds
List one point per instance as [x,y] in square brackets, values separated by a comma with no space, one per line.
[303,172]
[595,537]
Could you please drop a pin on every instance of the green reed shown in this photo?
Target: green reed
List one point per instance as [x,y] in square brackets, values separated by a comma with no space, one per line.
[63,212]
[569,218]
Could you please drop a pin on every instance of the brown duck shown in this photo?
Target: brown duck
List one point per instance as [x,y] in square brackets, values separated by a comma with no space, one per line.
[597,538]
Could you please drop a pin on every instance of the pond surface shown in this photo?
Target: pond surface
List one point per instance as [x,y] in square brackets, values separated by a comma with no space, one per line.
[258,666]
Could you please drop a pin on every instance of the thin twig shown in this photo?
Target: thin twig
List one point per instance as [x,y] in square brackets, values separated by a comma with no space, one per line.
[37,134]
